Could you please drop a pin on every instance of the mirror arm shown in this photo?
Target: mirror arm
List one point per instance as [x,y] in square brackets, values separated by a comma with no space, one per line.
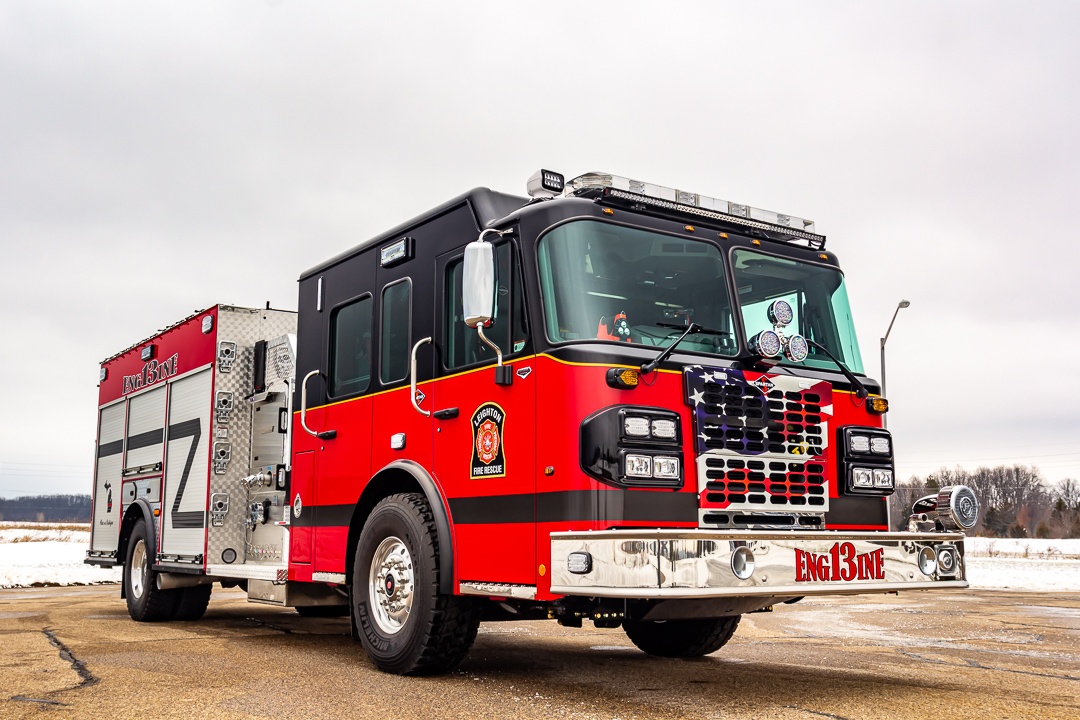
[493,346]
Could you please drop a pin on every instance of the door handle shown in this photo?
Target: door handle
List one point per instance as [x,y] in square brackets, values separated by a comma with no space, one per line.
[325,434]
[412,377]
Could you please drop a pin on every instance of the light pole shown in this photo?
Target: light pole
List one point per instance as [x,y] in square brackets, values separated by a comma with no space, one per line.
[902,304]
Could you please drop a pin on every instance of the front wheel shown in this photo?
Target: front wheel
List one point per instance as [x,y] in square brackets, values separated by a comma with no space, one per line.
[681,638]
[407,627]
[145,601]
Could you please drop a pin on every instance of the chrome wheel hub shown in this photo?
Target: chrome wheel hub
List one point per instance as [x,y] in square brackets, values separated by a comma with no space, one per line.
[138,569]
[390,585]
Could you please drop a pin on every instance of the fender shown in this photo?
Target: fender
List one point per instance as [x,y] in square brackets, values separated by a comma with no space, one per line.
[140,505]
[438,509]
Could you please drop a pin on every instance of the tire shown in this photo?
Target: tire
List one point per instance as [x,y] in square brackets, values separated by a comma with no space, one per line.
[406,626]
[681,638]
[145,602]
[193,602]
[322,611]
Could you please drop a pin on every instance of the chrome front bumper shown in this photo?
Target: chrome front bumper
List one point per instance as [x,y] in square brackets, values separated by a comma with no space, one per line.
[698,563]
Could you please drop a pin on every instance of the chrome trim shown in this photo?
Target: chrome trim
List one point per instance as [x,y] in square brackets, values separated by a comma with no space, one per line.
[303,404]
[412,377]
[698,564]
[338,578]
[521,592]
[493,346]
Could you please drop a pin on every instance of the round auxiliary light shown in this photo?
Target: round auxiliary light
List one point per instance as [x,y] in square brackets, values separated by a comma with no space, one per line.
[927,561]
[797,348]
[742,563]
[766,344]
[780,313]
[957,507]
[946,559]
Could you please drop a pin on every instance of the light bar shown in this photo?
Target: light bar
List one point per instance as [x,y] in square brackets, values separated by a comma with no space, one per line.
[702,205]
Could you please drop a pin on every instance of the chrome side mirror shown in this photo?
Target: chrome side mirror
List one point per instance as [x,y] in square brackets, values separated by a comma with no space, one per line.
[478,284]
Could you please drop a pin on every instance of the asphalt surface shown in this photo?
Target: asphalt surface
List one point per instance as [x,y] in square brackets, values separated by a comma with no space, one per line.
[73,653]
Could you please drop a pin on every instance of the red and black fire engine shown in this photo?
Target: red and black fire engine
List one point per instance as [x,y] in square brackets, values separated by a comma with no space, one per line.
[611,401]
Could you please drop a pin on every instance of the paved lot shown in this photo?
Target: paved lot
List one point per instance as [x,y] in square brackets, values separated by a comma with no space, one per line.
[73,653]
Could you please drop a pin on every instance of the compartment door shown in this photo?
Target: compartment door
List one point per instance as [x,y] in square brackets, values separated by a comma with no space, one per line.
[187,466]
[105,530]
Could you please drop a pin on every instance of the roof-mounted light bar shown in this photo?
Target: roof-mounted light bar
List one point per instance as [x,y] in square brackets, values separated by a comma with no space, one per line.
[787,227]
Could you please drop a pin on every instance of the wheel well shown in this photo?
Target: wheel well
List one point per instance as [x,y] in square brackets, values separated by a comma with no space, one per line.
[403,477]
[133,515]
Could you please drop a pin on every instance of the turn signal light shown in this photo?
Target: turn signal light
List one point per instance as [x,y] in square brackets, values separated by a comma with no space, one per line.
[623,378]
[877,405]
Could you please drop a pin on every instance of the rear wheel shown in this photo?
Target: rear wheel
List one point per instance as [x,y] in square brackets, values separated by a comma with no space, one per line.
[681,638]
[407,627]
[193,602]
[145,602]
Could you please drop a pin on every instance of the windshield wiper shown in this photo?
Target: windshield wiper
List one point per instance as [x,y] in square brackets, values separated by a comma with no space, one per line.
[691,328]
[860,390]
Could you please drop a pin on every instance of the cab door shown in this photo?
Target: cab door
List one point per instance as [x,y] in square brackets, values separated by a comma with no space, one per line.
[484,437]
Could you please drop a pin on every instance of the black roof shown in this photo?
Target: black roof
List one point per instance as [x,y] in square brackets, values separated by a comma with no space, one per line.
[487,206]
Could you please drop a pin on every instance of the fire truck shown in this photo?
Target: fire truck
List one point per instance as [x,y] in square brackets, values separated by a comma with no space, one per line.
[610,401]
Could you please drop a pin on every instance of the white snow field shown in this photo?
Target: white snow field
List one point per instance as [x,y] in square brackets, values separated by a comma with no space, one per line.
[43,554]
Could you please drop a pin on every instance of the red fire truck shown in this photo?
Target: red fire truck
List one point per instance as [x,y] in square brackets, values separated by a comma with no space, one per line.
[611,401]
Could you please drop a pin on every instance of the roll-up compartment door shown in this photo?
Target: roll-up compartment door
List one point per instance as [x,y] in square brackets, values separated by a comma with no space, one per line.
[187,466]
[110,454]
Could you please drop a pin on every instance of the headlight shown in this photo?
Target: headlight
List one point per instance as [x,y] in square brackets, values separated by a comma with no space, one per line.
[883,478]
[859,443]
[665,467]
[639,466]
[880,444]
[780,313]
[766,344]
[797,349]
[663,429]
[862,477]
[636,426]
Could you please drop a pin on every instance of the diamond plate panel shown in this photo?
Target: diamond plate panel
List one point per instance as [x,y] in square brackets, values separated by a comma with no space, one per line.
[243,327]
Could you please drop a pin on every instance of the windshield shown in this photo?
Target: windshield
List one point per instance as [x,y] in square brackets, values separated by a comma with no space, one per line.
[608,282]
[816,294]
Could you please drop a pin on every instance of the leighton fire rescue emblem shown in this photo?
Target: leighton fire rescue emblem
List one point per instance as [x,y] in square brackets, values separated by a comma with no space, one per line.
[488,459]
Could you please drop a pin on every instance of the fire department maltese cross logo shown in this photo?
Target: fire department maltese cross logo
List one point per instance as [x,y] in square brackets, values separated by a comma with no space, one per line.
[488,459]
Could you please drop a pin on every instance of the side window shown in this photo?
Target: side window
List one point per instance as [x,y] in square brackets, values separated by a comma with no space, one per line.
[463,346]
[396,331]
[350,347]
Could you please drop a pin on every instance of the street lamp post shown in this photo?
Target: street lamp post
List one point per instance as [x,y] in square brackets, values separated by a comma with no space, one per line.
[902,304]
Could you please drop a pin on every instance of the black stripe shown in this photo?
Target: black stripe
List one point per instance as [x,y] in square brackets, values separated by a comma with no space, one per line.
[857,511]
[113,448]
[612,506]
[186,518]
[324,516]
[146,439]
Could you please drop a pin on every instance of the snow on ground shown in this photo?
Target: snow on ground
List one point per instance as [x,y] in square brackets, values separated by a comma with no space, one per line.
[43,554]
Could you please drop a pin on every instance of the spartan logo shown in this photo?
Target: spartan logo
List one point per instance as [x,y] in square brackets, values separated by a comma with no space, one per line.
[488,459]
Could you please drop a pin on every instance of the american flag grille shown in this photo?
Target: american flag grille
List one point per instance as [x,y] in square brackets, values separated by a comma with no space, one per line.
[773,484]
[786,423]
[762,444]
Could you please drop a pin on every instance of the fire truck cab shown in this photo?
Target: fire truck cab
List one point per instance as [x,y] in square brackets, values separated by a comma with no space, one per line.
[610,401]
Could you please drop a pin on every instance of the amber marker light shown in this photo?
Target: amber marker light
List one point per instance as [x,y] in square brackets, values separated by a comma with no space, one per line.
[823,256]
[756,242]
[609,211]
[689,228]
[623,378]
[723,236]
[877,405]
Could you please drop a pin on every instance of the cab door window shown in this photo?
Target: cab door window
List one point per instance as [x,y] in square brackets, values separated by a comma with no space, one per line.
[350,347]
[508,331]
[396,332]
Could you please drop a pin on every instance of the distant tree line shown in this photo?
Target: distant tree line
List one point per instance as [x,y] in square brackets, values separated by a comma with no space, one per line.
[46,508]
[1015,501]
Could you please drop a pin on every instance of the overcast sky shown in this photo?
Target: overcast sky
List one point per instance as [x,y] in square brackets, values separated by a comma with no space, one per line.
[158,158]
